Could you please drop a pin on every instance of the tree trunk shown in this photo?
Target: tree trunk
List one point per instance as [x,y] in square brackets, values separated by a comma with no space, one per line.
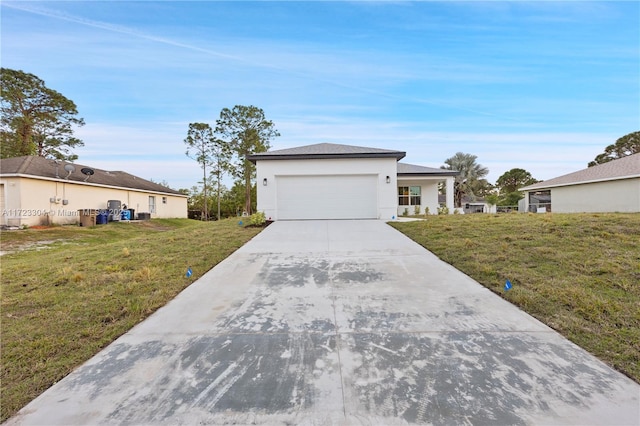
[218,195]
[457,198]
[26,141]
[205,213]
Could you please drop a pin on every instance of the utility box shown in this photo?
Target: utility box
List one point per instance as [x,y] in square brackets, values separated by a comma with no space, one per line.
[114,207]
[88,217]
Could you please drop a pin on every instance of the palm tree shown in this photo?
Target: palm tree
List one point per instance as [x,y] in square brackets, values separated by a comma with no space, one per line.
[471,174]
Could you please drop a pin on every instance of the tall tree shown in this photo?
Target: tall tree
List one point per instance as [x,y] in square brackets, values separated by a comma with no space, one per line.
[468,182]
[234,199]
[624,146]
[36,120]
[247,132]
[514,179]
[221,163]
[480,187]
[200,141]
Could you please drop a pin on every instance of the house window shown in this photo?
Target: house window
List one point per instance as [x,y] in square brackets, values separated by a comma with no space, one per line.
[152,204]
[540,201]
[164,200]
[403,196]
[409,196]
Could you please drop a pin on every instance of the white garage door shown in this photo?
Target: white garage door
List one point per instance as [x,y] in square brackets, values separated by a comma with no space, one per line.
[327,197]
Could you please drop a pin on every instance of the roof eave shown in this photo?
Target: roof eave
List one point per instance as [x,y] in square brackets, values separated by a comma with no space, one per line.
[89,183]
[428,174]
[255,157]
[558,185]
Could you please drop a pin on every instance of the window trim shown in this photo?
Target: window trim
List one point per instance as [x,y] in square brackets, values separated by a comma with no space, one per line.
[410,195]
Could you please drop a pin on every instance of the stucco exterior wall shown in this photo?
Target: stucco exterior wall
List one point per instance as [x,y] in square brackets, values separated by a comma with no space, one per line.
[32,202]
[612,196]
[428,196]
[381,167]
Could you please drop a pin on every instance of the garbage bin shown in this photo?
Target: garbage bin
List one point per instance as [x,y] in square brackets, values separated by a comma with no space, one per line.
[88,217]
[125,215]
[102,218]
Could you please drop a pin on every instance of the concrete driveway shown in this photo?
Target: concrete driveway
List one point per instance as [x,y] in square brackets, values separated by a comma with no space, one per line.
[338,322]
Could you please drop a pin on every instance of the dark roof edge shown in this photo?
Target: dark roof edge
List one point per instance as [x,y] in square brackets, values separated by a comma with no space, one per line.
[443,173]
[535,187]
[398,155]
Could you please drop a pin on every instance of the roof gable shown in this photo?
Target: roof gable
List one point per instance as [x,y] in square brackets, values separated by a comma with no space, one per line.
[40,167]
[623,168]
[326,150]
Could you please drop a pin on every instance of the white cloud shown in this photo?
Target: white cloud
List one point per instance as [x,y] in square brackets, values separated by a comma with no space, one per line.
[513,98]
[544,154]
[152,151]
[158,152]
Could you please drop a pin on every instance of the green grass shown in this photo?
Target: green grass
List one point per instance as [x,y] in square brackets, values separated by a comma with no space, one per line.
[577,273]
[64,300]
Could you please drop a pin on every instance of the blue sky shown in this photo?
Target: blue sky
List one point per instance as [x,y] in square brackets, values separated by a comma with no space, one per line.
[543,86]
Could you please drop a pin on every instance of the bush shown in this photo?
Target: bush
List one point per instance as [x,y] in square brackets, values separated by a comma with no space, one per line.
[426,211]
[416,210]
[405,212]
[257,219]
[443,210]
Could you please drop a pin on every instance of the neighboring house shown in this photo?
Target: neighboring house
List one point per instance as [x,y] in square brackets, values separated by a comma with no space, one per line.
[608,187]
[471,205]
[331,181]
[40,191]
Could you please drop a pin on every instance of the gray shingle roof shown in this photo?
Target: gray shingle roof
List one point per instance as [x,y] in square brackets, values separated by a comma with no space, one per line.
[623,168]
[406,170]
[326,150]
[46,168]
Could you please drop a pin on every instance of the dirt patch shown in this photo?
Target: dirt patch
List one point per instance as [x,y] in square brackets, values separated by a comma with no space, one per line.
[30,245]
[147,224]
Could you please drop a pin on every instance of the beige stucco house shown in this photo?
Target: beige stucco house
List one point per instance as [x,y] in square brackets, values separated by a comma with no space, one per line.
[608,187]
[332,181]
[39,191]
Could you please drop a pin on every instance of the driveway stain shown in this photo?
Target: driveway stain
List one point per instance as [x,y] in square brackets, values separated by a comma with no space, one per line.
[454,377]
[267,374]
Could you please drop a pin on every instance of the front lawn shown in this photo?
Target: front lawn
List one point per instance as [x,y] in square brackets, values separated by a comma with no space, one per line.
[69,291]
[577,273]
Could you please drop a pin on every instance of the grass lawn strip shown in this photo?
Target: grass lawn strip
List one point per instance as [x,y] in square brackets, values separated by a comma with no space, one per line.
[63,304]
[577,273]
[580,274]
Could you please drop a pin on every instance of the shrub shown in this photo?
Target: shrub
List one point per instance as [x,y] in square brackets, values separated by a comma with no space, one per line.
[405,212]
[443,210]
[257,219]
[416,210]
